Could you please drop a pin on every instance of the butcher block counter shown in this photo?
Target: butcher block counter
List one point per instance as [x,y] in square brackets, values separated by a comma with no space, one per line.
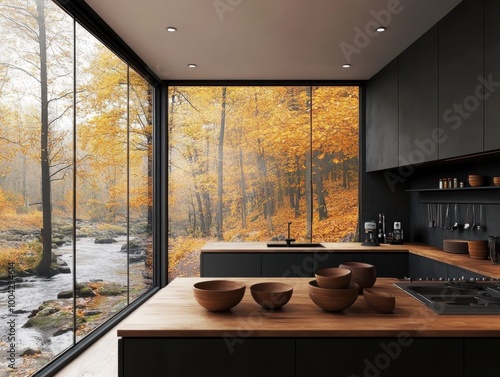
[172,334]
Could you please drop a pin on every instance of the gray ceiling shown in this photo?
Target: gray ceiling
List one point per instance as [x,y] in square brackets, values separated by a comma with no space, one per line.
[269,39]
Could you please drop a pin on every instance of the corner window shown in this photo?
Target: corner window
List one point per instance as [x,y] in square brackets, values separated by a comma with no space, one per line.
[245,161]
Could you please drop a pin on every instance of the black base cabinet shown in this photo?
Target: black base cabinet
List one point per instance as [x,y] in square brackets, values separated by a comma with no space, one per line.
[304,357]
[296,264]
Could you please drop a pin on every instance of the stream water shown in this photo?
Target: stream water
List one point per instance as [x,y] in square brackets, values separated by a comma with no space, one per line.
[94,262]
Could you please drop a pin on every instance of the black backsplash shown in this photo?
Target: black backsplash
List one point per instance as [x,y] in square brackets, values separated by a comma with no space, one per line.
[427,178]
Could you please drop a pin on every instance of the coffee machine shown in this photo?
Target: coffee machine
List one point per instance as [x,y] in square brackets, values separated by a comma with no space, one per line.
[397,233]
[370,234]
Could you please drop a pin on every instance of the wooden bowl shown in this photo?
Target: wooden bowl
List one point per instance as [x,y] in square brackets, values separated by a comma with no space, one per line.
[218,295]
[478,249]
[379,300]
[331,299]
[271,295]
[476,180]
[496,181]
[363,274]
[334,277]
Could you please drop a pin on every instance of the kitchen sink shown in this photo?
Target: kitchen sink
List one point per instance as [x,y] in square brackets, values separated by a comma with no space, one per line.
[294,244]
[456,297]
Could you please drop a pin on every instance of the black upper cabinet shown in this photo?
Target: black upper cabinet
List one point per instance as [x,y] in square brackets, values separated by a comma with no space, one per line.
[460,73]
[382,119]
[418,100]
[491,92]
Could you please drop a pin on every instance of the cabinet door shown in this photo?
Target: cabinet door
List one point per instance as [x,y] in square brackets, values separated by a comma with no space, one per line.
[285,264]
[481,357]
[491,73]
[421,267]
[230,264]
[389,357]
[392,265]
[460,72]
[382,119]
[418,101]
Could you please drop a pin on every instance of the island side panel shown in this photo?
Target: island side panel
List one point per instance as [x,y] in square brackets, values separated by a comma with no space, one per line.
[230,264]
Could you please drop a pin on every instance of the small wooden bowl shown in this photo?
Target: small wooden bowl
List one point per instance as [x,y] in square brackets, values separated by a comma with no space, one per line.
[271,295]
[496,181]
[331,299]
[476,180]
[363,274]
[378,300]
[334,277]
[218,295]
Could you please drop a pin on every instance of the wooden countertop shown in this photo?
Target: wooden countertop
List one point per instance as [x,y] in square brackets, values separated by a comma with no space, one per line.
[484,267]
[174,312]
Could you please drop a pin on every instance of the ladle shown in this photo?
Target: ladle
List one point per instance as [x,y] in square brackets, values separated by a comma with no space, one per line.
[467,218]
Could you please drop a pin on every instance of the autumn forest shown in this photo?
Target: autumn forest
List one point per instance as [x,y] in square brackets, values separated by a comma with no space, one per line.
[244,161]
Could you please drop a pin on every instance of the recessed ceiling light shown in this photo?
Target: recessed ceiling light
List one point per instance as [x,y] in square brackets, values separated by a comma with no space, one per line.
[346,66]
[380,29]
[192,65]
[171,29]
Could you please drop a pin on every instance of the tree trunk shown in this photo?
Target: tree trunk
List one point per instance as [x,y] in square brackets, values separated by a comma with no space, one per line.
[243,192]
[320,198]
[309,200]
[220,165]
[43,267]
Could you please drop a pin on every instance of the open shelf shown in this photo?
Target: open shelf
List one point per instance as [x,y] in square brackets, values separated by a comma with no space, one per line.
[455,189]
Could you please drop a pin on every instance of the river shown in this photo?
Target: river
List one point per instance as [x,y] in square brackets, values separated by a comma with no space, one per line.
[94,262]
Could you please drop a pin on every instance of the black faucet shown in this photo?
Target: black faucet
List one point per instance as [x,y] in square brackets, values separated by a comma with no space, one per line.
[289,240]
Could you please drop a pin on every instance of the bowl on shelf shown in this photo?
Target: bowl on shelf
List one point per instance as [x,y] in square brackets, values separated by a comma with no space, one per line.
[333,299]
[271,295]
[478,249]
[334,277]
[476,180]
[496,181]
[363,274]
[378,300]
[218,295]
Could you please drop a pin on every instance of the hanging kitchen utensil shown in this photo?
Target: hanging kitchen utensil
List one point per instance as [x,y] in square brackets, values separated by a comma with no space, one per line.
[467,219]
[429,216]
[447,217]
[474,224]
[480,224]
[455,214]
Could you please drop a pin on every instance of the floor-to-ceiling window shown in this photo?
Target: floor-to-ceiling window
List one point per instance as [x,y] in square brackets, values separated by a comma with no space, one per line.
[76,203]
[245,161]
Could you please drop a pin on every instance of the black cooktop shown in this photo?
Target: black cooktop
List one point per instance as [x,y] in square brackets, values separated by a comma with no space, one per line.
[456,296]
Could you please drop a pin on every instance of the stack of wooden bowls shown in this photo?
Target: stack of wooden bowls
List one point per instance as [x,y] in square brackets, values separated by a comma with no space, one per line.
[476,180]
[363,274]
[478,249]
[456,246]
[496,181]
[333,289]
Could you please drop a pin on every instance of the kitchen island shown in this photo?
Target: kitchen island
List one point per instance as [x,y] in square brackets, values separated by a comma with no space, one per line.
[172,335]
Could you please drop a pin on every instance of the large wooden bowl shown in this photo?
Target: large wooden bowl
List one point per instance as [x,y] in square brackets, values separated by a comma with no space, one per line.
[271,295]
[379,300]
[363,274]
[331,299]
[478,249]
[334,277]
[218,295]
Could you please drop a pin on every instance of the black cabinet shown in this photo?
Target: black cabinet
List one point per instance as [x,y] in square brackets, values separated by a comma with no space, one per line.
[460,72]
[481,357]
[230,264]
[491,91]
[285,264]
[393,265]
[328,260]
[418,101]
[391,357]
[382,119]
[421,267]
[457,272]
